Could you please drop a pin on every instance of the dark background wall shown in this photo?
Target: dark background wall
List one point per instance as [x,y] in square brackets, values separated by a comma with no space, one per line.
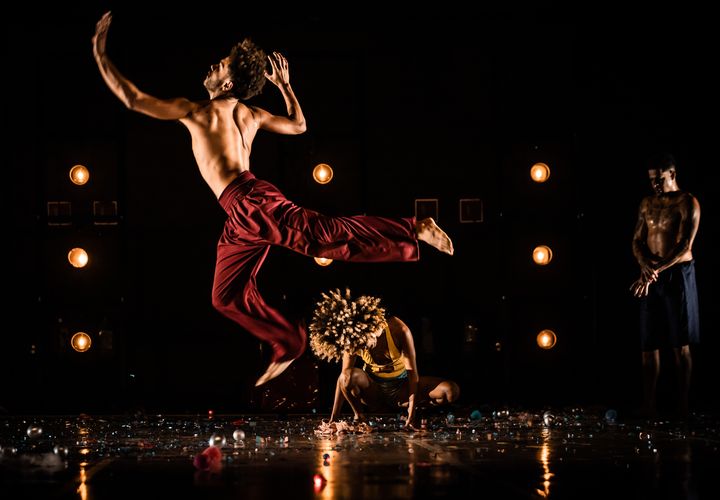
[445,104]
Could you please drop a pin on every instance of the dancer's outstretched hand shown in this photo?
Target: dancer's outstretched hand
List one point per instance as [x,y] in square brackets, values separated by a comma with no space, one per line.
[100,38]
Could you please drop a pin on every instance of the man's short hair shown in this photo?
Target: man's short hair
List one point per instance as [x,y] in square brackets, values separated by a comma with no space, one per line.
[661,161]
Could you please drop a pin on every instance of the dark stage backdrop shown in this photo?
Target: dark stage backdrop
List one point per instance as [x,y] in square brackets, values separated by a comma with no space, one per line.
[441,105]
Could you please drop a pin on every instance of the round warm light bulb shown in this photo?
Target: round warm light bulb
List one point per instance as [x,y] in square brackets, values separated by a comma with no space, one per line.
[542,255]
[540,172]
[322,261]
[81,342]
[78,257]
[546,339]
[79,174]
[322,173]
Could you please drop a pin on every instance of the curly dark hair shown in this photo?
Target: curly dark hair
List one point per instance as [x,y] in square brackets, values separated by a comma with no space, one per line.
[247,69]
[341,324]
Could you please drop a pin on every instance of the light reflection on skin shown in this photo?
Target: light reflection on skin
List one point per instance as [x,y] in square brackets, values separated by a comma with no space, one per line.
[544,459]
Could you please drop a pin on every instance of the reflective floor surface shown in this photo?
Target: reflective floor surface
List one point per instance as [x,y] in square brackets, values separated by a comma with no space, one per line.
[482,453]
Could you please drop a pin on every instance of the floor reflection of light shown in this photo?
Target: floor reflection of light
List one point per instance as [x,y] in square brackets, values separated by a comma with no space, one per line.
[411,466]
[82,488]
[324,479]
[544,458]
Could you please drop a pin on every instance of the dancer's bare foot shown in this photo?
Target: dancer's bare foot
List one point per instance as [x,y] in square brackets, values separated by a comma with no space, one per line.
[430,233]
[273,370]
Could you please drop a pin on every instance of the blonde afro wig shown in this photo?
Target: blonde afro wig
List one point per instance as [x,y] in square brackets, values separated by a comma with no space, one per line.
[342,325]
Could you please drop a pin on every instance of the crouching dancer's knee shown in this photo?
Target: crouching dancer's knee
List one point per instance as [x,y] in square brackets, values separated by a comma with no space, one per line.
[452,392]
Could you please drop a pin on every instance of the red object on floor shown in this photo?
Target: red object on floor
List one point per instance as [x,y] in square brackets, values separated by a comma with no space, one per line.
[210,460]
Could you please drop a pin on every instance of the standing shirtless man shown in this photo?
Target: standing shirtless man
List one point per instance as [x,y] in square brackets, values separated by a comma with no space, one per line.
[222,129]
[662,244]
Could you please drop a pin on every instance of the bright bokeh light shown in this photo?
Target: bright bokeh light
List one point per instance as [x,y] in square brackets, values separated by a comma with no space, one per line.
[79,174]
[322,173]
[78,257]
[542,255]
[546,339]
[322,261]
[540,172]
[81,342]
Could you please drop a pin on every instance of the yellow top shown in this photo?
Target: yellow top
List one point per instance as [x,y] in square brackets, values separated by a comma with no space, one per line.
[389,370]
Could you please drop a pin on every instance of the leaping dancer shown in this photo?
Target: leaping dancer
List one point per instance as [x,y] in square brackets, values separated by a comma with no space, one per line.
[222,129]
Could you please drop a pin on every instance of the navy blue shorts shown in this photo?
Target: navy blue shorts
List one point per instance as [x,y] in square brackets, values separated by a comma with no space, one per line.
[669,315]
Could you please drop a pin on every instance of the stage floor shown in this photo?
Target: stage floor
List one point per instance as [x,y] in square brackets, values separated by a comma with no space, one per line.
[573,453]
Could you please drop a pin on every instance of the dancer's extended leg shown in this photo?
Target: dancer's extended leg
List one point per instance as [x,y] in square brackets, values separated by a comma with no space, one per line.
[259,216]
[429,232]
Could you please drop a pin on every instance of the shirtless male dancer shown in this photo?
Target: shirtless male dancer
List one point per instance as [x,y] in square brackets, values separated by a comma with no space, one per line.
[222,129]
[662,244]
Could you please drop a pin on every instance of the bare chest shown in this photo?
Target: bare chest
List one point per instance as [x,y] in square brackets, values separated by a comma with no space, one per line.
[663,213]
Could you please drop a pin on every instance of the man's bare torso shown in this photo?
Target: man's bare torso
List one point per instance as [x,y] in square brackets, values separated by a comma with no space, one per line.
[222,132]
[664,217]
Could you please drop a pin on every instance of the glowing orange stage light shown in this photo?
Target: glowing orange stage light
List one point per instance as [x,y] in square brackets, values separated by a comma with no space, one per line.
[79,175]
[322,173]
[322,261]
[81,342]
[78,257]
[540,172]
[546,339]
[542,255]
